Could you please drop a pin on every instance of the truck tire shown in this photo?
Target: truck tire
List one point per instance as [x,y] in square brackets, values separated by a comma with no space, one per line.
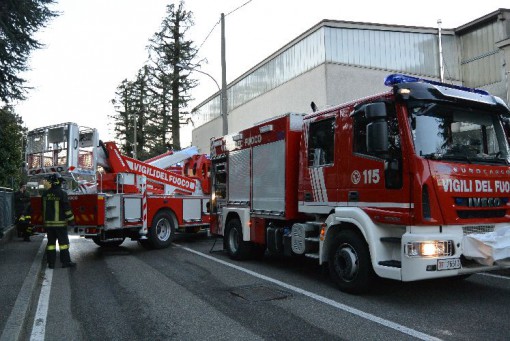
[162,231]
[108,243]
[350,266]
[237,248]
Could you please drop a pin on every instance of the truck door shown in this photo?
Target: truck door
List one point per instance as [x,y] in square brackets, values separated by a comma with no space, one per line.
[377,168]
[322,170]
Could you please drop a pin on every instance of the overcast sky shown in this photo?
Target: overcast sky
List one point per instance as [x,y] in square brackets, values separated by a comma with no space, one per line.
[95,44]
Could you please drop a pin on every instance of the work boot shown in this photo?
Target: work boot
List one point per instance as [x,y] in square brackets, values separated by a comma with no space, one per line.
[69,265]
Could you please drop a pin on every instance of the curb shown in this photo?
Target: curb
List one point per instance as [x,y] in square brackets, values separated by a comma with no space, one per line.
[16,323]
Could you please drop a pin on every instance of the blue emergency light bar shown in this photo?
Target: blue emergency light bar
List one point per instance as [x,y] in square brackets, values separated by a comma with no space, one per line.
[397,78]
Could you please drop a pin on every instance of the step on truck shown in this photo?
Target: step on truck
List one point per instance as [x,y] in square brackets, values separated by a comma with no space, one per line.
[113,196]
[405,185]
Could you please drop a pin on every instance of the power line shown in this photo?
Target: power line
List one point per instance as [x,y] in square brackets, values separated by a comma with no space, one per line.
[246,3]
[216,24]
[212,29]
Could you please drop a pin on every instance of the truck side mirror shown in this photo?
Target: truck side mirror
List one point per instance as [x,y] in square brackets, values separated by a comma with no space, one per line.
[377,129]
[375,111]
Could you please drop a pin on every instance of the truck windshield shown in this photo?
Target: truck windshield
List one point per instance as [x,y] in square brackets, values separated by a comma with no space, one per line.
[443,132]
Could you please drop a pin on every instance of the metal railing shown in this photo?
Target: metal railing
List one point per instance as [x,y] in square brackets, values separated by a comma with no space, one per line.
[6,208]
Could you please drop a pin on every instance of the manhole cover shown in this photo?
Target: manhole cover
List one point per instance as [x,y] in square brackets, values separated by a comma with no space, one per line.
[259,293]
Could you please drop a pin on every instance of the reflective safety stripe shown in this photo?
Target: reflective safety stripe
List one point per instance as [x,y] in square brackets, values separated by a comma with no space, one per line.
[56,206]
[51,247]
[64,247]
[69,215]
[55,224]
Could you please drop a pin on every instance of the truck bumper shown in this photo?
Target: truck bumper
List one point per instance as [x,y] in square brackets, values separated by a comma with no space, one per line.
[419,260]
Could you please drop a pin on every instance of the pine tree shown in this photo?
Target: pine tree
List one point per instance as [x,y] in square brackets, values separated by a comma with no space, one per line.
[160,91]
[169,48]
[19,20]
[123,119]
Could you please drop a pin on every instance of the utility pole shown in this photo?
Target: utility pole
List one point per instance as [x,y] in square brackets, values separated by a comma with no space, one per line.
[441,67]
[134,135]
[223,96]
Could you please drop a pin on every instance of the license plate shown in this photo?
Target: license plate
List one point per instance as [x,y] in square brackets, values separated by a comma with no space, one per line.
[448,264]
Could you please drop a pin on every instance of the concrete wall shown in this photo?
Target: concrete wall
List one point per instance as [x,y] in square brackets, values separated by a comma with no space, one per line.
[201,136]
[348,83]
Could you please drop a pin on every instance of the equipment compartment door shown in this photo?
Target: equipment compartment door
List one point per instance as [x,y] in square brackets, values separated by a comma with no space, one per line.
[191,209]
[268,166]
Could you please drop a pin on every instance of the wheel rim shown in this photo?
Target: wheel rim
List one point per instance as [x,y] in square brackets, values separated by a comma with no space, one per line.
[163,229]
[346,263]
[233,239]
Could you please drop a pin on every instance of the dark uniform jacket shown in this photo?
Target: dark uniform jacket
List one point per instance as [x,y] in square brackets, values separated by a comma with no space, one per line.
[21,200]
[56,208]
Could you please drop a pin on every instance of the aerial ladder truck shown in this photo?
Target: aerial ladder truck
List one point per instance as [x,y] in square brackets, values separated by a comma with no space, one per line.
[113,196]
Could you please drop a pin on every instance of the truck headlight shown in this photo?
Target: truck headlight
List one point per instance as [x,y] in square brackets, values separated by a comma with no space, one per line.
[432,248]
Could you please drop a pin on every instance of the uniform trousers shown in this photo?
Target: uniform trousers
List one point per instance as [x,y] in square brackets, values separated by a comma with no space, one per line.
[57,233]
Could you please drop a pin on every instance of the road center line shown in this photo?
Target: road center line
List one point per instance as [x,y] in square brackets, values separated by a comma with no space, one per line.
[354,311]
[39,327]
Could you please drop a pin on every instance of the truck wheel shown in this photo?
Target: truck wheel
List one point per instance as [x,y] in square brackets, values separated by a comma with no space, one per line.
[236,248]
[108,243]
[349,263]
[162,231]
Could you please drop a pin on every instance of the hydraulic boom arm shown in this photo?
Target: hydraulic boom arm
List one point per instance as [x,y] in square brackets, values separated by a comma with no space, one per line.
[119,163]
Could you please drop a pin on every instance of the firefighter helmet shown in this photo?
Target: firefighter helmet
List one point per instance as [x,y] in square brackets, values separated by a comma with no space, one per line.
[55,179]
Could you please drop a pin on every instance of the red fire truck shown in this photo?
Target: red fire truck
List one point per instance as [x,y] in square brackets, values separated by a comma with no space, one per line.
[391,185]
[113,196]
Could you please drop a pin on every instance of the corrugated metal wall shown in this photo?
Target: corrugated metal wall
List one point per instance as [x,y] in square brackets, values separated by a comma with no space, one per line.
[405,52]
[481,60]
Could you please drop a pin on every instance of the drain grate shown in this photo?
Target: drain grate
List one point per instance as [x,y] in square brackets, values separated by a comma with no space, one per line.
[260,293]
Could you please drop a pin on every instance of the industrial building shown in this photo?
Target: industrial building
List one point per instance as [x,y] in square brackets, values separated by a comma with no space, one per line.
[338,61]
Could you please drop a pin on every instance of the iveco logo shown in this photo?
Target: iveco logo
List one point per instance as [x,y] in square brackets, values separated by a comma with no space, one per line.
[484,202]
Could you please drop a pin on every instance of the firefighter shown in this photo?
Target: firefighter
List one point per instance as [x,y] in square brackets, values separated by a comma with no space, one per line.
[25,224]
[57,214]
[21,200]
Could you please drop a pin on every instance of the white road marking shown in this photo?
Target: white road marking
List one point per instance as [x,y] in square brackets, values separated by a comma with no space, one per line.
[493,275]
[354,311]
[39,327]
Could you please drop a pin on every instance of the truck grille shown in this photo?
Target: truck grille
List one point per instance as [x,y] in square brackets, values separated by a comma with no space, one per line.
[477,229]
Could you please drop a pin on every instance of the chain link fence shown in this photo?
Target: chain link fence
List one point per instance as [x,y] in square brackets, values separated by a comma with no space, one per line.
[6,209]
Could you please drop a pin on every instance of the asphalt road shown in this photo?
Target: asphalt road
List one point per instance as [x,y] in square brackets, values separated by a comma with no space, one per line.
[186,292]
